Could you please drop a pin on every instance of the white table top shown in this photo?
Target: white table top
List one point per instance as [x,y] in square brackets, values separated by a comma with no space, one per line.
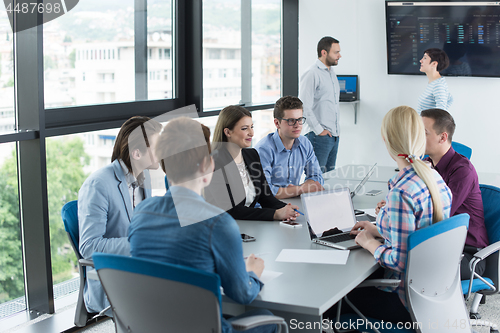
[302,288]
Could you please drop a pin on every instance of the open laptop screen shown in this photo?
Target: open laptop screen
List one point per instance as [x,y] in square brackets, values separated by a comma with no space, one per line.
[329,209]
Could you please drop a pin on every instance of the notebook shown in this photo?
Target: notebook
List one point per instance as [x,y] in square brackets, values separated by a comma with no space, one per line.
[349,90]
[327,210]
[362,183]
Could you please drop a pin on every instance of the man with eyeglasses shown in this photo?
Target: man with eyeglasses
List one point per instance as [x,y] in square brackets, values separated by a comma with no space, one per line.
[285,154]
[320,92]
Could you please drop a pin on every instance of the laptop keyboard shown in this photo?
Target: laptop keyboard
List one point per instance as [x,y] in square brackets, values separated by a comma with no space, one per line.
[339,238]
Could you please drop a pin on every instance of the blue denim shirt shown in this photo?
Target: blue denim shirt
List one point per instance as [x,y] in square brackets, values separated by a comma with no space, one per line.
[284,167]
[209,240]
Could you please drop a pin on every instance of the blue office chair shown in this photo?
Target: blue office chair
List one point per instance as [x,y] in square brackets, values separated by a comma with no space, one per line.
[152,296]
[69,214]
[433,287]
[488,283]
[462,149]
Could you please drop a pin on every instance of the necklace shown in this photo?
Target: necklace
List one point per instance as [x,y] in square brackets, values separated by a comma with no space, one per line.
[243,173]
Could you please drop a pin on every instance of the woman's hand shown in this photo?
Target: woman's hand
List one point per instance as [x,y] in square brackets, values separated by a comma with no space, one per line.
[365,226]
[286,213]
[379,205]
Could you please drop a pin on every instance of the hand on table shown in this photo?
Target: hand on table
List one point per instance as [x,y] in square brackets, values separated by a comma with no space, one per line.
[255,264]
[286,213]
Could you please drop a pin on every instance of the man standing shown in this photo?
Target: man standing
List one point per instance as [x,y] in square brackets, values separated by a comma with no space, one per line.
[285,154]
[461,177]
[320,92]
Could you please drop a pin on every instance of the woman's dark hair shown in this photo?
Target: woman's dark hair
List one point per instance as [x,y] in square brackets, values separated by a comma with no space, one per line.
[128,140]
[439,56]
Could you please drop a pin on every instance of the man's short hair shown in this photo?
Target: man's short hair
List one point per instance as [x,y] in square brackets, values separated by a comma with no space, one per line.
[443,121]
[325,43]
[286,103]
[440,56]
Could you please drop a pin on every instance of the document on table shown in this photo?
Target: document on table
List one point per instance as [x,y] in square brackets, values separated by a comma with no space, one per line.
[370,211]
[268,275]
[332,257]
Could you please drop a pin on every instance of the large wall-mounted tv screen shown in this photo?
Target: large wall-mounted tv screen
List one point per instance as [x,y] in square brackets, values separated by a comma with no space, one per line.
[469,32]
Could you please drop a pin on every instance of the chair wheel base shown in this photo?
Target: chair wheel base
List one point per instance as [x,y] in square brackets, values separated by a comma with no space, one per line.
[474,315]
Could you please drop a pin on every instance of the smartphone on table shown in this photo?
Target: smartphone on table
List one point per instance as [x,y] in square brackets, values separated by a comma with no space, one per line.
[247,238]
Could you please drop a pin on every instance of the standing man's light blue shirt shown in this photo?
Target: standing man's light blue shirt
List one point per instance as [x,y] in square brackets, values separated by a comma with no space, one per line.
[320,92]
[284,167]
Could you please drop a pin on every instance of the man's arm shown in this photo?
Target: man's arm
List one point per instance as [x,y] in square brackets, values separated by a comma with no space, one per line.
[93,212]
[461,183]
[306,95]
[267,161]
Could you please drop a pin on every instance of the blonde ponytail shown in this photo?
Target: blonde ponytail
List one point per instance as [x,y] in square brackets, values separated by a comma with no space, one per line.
[404,134]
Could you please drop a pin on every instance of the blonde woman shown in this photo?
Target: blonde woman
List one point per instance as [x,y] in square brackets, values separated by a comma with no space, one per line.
[239,182]
[417,198]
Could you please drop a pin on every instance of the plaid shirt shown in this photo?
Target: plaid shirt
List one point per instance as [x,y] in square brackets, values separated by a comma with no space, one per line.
[408,208]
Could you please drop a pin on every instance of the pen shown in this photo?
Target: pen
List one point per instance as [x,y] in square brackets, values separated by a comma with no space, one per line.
[257,255]
[298,211]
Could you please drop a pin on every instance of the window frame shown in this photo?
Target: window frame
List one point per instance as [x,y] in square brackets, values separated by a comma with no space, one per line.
[34,123]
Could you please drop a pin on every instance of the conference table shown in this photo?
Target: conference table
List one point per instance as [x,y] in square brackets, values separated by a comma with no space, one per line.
[304,291]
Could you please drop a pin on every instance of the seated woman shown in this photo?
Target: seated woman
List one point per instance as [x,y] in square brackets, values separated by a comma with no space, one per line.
[417,198]
[182,228]
[239,182]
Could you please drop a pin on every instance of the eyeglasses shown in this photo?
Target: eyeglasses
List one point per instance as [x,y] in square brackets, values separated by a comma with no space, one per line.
[292,121]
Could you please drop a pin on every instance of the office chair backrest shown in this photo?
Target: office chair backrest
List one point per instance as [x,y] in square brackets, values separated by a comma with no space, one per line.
[462,149]
[433,285]
[491,204]
[151,296]
[69,214]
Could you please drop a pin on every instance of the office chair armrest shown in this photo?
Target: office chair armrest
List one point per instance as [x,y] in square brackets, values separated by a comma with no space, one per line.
[492,248]
[86,262]
[247,323]
[379,283]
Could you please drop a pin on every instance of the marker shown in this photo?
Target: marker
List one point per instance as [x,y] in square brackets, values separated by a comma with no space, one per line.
[298,211]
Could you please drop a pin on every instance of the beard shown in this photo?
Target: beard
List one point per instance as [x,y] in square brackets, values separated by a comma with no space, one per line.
[331,62]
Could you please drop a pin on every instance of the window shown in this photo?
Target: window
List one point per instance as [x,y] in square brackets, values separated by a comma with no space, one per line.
[160,40]
[221,31]
[7,119]
[266,51]
[12,298]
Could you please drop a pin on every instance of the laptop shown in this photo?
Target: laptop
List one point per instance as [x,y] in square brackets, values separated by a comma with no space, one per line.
[349,91]
[327,210]
[362,183]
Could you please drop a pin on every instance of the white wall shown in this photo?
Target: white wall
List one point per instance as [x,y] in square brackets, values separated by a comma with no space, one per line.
[359,25]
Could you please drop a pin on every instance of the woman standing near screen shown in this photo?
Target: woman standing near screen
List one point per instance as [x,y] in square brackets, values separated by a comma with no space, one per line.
[436,94]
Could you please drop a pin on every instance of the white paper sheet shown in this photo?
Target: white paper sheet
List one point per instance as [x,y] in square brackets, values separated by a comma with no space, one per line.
[369,211]
[268,275]
[332,257]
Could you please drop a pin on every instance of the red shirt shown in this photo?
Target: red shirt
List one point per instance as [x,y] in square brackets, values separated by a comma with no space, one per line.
[461,177]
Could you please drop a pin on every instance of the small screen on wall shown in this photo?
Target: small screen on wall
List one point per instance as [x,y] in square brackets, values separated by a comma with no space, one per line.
[469,33]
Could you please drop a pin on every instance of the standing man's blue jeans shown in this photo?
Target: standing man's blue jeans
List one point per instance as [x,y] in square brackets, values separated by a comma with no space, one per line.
[325,148]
